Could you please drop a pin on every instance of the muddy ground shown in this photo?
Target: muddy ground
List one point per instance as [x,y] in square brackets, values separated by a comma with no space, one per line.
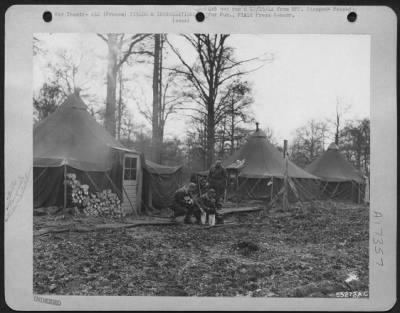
[308,251]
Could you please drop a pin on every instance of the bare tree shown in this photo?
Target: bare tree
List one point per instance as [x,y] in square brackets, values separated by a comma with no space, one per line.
[120,48]
[338,122]
[355,143]
[121,103]
[46,101]
[65,75]
[269,132]
[233,110]
[215,67]
[308,142]
[167,101]
[157,82]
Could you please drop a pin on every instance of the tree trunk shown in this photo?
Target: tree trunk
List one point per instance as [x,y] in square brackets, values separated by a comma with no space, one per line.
[161,113]
[232,127]
[210,134]
[337,127]
[112,70]
[120,105]
[156,156]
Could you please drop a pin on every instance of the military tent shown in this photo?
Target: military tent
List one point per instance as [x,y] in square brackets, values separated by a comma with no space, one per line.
[339,178]
[71,141]
[257,171]
[161,182]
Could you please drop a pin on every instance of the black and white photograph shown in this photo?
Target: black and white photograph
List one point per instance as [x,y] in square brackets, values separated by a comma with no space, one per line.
[200,158]
[201,165]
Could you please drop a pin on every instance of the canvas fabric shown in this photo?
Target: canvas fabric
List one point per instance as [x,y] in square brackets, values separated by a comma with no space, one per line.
[162,181]
[339,178]
[260,170]
[334,167]
[71,138]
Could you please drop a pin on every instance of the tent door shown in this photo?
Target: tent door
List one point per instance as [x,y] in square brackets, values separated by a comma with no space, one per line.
[129,182]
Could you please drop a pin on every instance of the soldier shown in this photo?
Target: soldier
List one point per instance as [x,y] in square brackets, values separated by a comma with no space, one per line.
[208,205]
[217,178]
[183,203]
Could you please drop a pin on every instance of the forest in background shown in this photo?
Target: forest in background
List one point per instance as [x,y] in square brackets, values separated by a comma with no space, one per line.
[207,88]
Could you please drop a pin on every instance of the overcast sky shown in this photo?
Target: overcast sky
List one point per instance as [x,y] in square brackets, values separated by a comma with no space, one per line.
[309,74]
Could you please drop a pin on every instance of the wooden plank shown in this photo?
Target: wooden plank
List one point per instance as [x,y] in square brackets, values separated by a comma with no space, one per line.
[132,207]
[239,210]
[235,224]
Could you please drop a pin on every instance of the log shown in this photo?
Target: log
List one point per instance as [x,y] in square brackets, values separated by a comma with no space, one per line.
[235,224]
[239,210]
[79,228]
[51,230]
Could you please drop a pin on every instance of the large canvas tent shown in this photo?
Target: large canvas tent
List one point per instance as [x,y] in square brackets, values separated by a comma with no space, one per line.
[161,182]
[339,178]
[257,170]
[71,141]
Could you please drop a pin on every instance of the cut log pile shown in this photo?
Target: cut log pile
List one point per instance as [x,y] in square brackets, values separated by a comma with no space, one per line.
[104,203]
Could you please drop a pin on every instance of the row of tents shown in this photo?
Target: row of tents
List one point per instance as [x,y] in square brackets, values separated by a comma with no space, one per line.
[257,171]
[71,141]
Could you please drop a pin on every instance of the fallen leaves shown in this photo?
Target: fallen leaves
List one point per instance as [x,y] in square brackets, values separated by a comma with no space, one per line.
[308,251]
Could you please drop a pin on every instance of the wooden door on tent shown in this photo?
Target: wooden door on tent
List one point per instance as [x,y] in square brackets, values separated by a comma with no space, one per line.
[130,183]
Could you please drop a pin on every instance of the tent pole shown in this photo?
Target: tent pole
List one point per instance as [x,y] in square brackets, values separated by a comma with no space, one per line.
[254,187]
[119,193]
[65,186]
[352,187]
[92,181]
[285,181]
[322,193]
[150,198]
[272,188]
[333,194]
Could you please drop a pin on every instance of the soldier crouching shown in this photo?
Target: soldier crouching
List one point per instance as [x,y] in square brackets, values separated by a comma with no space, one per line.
[208,204]
[183,204]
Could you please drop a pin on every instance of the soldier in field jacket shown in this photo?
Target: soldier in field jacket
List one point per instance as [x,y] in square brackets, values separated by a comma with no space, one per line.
[183,203]
[217,179]
[209,204]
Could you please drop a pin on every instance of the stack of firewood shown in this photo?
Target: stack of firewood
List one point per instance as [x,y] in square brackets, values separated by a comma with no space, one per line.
[104,203]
